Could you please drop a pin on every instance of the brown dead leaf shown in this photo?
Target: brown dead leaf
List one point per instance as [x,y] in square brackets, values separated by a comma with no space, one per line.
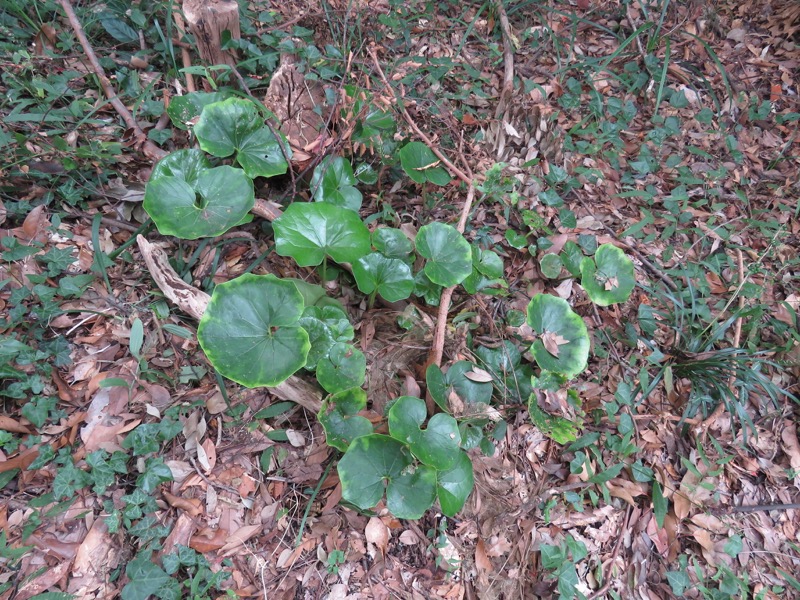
[479,375]
[44,581]
[12,425]
[97,556]
[376,532]
[193,506]
[552,341]
[239,537]
[792,448]
[482,561]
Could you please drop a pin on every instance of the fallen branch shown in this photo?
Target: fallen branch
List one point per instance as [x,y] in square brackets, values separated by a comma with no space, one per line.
[142,143]
[194,302]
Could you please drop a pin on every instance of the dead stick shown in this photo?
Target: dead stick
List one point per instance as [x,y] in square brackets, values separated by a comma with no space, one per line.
[187,59]
[437,349]
[508,58]
[148,147]
[411,123]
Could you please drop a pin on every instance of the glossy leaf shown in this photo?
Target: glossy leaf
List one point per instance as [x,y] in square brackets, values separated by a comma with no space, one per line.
[487,273]
[437,445]
[411,494]
[392,242]
[391,277]
[333,182]
[421,164]
[554,321]
[454,485]
[609,277]
[184,109]
[309,231]
[250,330]
[339,417]
[236,126]
[571,256]
[183,164]
[468,390]
[210,205]
[550,265]
[449,254]
[369,463]
[345,367]
[559,429]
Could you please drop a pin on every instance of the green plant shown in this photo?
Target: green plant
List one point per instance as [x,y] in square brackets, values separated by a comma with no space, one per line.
[562,561]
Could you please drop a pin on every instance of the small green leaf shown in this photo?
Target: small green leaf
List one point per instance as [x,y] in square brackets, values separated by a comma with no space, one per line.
[449,254]
[563,343]
[608,278]
[250,330]
[333,182]
[309,231]
[559,429]
[185,164]
[183,109]
[392,243]
[421,164]
[369,462]
[145,577]
[345,367]
[391,277]
[339,417]
[550,265]
[438,445]
[137,338]
[571,256]
[660,504]
[236,126]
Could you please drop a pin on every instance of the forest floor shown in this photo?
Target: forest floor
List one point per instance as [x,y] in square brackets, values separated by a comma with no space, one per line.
[128,467]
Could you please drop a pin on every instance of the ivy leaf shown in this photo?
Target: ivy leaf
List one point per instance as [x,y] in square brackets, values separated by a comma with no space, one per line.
[250,330]
[333,181]
[146,577]
[236,126]
[449,254]
[309,231]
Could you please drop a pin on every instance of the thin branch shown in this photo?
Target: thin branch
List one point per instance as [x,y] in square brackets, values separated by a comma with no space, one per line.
[435,149]
[142,143]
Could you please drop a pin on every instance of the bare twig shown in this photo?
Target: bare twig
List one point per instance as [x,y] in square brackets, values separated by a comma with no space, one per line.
[142,143]
[187,59]
[437,349]
[412,124]
[508,59]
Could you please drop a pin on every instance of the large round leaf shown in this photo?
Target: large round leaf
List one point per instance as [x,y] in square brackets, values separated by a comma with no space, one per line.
[449,254]
[437,445]
[345,367]
[309,231]
[609,278]
[183,164]
[339,418]
[420,164]
[454,485]
[235,125]
[369,462]
[411,494]
[563,343]
[215,201]
[250,333]
[391,277]
[468,390]
[392,242]
[333,181]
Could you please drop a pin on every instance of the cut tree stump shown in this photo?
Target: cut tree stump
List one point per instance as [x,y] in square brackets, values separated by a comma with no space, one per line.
[207,19]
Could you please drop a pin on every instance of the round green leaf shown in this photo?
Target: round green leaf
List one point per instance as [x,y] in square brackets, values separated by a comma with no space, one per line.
[563,343]
[250,330]
[339,417]
[183,109]
[571,256]
[467,389]
[421,164]
[320,339]
[487,272]
[390,276]
[309,231]
[550,265]
[183,164]
[411,494]
[367,464]
[392,242]
[454,485]
[215,201]
[236,126]
[449,254]
[437,445]
[333,181]
[345,367]
[609,278]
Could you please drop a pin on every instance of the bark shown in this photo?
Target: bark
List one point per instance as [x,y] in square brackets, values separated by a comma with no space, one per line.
[207,19]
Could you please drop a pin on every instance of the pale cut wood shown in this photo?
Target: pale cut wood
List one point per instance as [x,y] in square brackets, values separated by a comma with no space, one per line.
[207,19]
[194,302]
